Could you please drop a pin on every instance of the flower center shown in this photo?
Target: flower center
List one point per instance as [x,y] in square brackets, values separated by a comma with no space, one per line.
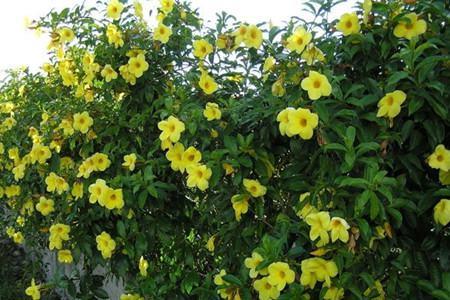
[409,26]
[300,41]
[191,157]
[282,274]
[390,101]
[316,84]
[303,122]
[268,286]
[199,174]
[440,158]
[348,24]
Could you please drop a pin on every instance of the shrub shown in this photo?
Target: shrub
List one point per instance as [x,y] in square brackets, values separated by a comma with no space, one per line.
[305,161]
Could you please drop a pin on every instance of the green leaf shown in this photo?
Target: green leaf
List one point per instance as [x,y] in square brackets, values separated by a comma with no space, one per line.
[121,229]
[232,279]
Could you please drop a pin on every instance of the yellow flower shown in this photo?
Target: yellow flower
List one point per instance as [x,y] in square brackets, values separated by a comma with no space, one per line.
[19,172]
[218,280]
[40,153]
[334,293]
[252,263]
[283,119]
[105,244]
[210,243]
[317,269]
[138,9]
[114,36]
[280,274]
[207,83]
[440,158]
[302,122]
[137,65]
[126,75]
[97,190]
[266,291]
[339,229]
[367,7]
[66,126]
[348,24]
[129,161]
[58,234]
[131,297]
[45,206]
[56,183]
[112,198]
[312,54]
[33,290]
[379,288]
[82,122]
[240,35]
[18,237]
[317,85]
[108,73]
[320,225]
[171,129]
[143,266]
[198,176]
[166,6]
[101,161]
[442,212]
[77,190]
[162,33]
[228,168]
[299,40]
[278,89]
[254,37]
[212,111]
[114,9]
[66,35]
[190,157]
[255,188]
[240,205]
[307,208]
[444,177]
[202,48]
[268,64]
[390,105]
[175,156]
[65,256]
[411,28]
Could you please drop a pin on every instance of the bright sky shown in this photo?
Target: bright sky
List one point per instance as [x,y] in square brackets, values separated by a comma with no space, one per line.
[22,47]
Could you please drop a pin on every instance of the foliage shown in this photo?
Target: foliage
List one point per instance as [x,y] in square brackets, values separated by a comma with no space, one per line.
[370,172]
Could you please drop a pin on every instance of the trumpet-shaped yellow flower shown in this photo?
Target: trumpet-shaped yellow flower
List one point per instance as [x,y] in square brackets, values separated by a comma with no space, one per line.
[283,119]
[97,191]
[82,122]
[45,206]
[171,129]
[77,190]
[440,158]
[129,161]
[66,35]
[228,168]
[390,105]
[56,183]
[278,89]
[210,243]
[167,6]
[348,24]
[444,177]
[105,244]
[240,205]
[65,256]
[18,237]
[207,83]
[143,266]
[33,290]
[254,37]
[12,191]
[240,35]
[138,10]
[269,63]
[367,7]
[108,73]
[40,153]
[307,209]
[113,198]
[19,172]
[317,85]
[137,65]
[255,188]
[266,291]
[114,36]
[114,9]
[320,225]
[162,33]
[202,48]
[334,293]
[218,280]
[299,40]
[175,156]
[280,274]
[300,121]
[317,269]
[101,161]
[442,212]
[58,233]
[212,111]
[312,54]
[198,176]
[379,288]
[411,28]
[66,126]
[339,229]
[252,263]
[190,157]
[126,75]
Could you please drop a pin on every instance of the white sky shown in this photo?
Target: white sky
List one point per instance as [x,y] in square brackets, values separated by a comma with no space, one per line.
[21,46]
